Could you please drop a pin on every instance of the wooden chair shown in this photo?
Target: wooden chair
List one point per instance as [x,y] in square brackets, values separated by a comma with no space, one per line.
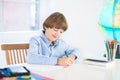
[15,53]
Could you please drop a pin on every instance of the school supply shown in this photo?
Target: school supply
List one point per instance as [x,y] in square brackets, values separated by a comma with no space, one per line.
[111,47]
[20,73]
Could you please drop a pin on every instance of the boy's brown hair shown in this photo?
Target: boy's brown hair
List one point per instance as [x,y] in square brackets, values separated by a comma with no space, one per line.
[56,20]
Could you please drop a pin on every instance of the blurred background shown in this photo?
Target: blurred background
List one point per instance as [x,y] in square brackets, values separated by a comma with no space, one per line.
[21,19]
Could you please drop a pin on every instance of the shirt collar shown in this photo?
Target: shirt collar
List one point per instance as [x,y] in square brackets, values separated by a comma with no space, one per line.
[47,41]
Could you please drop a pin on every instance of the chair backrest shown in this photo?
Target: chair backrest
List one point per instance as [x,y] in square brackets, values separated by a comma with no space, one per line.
[15,53]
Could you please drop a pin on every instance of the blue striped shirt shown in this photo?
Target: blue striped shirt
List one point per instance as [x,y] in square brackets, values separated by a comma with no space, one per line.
[41,51]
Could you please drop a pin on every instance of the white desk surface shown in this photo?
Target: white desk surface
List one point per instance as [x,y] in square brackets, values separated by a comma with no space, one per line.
[77,71]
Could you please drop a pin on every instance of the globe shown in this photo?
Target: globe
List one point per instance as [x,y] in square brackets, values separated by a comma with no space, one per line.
[109,20]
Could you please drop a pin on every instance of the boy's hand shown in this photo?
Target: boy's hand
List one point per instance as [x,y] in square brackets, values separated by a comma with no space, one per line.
[66,61]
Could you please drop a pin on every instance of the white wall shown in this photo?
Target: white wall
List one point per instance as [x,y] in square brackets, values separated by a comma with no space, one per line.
[82,17]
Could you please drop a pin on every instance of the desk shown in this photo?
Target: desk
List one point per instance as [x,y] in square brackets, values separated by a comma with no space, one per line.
[78,71]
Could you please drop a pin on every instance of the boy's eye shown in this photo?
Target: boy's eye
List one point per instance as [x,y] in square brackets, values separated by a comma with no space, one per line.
[58,30]
[61,31]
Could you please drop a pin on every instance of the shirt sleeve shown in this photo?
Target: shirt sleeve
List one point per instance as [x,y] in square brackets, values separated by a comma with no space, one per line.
[74,51]
[35,57]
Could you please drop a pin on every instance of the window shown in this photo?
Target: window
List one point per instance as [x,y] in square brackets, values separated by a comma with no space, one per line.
[19,15]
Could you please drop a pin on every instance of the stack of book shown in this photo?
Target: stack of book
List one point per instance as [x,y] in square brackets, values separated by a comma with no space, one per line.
[96,62]
[20,73]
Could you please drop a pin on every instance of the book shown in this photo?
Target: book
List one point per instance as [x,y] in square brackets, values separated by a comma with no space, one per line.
[32,76]
[96,62]
[14,71]
[40,77]
[20,73]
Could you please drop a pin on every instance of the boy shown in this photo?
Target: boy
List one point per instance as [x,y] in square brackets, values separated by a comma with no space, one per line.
[48,48]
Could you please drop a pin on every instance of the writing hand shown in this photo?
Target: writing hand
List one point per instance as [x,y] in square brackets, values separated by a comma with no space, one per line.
[66,61]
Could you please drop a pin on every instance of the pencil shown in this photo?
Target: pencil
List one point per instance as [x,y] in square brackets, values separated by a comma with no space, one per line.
[66,54]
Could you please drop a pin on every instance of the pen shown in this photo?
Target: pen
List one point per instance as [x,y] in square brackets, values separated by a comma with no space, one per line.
[66,54]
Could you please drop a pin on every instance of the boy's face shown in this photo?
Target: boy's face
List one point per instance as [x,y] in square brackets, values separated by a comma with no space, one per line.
[53,34]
